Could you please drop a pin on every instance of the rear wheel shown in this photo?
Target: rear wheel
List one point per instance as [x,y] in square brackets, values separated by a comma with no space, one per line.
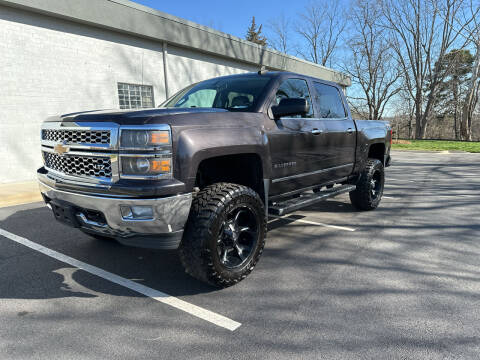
[369,191]
[225,234]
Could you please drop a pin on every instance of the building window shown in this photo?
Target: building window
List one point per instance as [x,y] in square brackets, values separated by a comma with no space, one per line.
[133,96]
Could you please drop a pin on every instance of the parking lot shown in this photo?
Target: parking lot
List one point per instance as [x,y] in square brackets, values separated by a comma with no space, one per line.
[402,282]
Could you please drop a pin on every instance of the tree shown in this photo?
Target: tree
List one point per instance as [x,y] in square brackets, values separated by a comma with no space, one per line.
[422,34]
[457,66]
[471,99]
[254,34]
[371,64]
[320,26]
[280,38]
[466,24]
[472,29]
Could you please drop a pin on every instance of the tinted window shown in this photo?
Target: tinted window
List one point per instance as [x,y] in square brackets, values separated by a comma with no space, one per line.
[329,102]
[200,98]
[234,94]
[294,88]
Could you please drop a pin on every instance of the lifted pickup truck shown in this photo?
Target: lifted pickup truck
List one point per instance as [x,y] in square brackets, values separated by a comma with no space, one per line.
[202,173]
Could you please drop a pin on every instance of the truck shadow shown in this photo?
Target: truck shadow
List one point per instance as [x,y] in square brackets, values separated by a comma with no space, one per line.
[31,273]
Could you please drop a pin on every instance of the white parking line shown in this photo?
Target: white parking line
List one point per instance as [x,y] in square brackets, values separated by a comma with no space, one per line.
[388,197]
[194,310]
[388,179]
[312,222]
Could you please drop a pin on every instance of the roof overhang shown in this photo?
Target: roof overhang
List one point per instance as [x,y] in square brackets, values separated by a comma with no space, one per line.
[141,21]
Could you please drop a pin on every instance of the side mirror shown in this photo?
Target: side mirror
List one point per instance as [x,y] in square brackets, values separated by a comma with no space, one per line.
[290,107]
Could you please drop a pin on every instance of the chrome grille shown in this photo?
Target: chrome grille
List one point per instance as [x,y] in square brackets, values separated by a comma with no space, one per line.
[91,166]
[77,136]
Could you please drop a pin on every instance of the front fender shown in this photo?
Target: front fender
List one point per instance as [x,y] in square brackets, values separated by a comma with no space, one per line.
[196,145]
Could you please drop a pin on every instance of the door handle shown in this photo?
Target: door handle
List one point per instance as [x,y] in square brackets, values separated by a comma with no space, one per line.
[317,131]
[350,130]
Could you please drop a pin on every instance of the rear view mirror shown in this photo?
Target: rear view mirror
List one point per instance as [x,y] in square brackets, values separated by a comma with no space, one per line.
[291,107]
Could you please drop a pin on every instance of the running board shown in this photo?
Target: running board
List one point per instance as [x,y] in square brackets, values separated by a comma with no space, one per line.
[291,205]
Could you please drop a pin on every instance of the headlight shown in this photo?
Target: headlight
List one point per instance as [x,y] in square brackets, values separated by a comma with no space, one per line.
[144,139]
[146,166]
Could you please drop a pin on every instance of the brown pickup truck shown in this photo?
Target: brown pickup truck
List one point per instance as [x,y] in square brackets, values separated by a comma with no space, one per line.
[202,173]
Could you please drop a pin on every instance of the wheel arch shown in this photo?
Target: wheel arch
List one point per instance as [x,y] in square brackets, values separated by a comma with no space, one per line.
[238,168]
[377,151]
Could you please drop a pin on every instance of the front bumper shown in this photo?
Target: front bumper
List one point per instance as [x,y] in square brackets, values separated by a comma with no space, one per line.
[163,231]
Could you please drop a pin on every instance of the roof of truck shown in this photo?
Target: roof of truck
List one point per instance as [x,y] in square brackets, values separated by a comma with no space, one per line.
[277,74]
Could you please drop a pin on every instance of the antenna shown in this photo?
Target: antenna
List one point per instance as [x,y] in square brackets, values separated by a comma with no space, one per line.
[262,70]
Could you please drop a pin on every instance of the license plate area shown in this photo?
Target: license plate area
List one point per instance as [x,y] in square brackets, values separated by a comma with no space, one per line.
[64,213]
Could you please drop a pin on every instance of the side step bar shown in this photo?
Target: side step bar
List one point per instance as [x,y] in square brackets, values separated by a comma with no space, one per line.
[291,205]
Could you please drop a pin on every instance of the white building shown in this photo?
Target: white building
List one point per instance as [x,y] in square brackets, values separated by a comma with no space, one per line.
[61,56]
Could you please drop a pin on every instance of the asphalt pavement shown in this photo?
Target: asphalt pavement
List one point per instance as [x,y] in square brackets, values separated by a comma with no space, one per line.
[401,282]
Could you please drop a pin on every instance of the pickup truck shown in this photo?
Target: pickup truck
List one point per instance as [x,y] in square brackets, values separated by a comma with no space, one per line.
[203,172]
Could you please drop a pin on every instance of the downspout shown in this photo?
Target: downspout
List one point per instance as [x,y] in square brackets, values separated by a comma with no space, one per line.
[165,72]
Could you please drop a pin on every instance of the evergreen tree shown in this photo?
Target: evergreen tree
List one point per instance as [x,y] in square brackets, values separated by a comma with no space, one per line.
[456,68]
[255,35]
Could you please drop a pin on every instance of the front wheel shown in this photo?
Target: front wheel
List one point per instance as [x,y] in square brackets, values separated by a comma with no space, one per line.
[225,234]
[369,189]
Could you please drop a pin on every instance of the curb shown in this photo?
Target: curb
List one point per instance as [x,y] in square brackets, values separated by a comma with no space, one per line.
[19,193]
[434,151]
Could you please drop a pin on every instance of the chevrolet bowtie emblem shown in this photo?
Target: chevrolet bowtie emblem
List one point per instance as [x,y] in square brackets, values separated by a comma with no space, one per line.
[61,149]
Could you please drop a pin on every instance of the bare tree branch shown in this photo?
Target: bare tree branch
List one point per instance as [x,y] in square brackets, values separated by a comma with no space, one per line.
[280,38]
[372,65]
[320,25]
[422,35]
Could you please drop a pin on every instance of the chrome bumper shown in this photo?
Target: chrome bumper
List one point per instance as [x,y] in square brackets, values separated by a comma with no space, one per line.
[164,231]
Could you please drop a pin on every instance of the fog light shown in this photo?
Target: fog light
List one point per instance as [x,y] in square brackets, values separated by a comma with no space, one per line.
[136,212]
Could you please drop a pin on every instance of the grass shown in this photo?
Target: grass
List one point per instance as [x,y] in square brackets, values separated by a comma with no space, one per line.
[437,145]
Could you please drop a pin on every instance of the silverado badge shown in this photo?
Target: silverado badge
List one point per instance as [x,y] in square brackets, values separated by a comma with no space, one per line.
[61,149]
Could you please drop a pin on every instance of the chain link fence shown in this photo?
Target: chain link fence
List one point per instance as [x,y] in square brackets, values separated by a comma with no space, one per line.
[442,128]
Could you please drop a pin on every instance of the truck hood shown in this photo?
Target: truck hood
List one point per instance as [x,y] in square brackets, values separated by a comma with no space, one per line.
[130,117]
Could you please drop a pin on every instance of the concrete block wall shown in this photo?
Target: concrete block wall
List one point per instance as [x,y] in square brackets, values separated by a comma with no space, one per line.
[50,66]
[185,67]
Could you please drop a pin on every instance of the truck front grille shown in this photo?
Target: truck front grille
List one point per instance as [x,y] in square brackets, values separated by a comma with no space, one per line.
[91,166]
[77,136]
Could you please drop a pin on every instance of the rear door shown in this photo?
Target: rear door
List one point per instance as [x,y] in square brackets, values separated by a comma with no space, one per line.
[338,131]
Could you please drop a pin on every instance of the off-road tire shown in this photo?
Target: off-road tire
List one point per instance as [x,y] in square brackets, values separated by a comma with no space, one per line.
[198,249]
[362,197]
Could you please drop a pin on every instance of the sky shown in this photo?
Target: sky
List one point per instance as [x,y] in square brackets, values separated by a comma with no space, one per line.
[235,17]
[232,17]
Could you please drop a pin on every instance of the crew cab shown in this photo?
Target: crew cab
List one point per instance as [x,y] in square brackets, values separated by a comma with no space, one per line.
[203,172]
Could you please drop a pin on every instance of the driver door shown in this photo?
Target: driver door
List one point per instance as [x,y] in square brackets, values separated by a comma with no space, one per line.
[293,144]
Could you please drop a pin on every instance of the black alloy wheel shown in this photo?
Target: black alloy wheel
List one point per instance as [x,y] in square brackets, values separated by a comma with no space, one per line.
[376,184]
[238,237]
[369,191]
[225,234]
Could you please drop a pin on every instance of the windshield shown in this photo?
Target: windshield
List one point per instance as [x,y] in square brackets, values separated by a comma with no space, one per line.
[233,94]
